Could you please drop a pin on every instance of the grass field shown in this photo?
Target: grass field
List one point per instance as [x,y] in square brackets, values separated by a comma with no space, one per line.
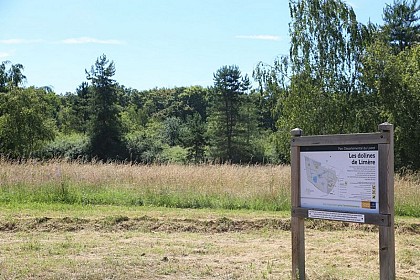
[62,220]
[203,186]
[118,242]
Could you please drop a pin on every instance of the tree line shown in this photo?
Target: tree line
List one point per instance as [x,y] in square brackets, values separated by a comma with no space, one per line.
[341,76]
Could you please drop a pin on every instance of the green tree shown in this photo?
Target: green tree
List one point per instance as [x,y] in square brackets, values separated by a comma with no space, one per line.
[11,77]
[194,138]
[75,111]
[394,82]
[106,128]
[318,84]
[194,100]
[224,120]
[15,75]
[26,120]
[401,24]
[172,127]
[327,42]
[3,76]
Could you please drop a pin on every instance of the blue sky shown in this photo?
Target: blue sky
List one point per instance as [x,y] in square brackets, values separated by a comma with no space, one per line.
[154,43]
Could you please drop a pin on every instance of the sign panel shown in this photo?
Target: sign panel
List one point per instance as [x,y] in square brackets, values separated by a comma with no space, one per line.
[342,178]
[336,216]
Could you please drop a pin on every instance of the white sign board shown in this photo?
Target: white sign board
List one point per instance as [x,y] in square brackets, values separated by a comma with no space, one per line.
[336,216]
[340,178]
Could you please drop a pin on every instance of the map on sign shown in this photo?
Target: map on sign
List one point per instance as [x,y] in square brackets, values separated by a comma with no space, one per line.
[340,178]
[323,178]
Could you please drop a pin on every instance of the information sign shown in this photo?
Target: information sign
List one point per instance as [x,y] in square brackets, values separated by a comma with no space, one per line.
[343,177]
[340,178]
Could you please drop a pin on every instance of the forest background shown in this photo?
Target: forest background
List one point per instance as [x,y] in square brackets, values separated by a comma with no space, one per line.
[340,77]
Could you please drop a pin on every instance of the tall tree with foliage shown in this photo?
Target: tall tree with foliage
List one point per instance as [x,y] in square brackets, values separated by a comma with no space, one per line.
[76,110]
[194,138]
[394,82]
[401,24]
[327,42]
[318,84]
[224,121]
[106,129]
[26,120]
[3,76]
[12,76]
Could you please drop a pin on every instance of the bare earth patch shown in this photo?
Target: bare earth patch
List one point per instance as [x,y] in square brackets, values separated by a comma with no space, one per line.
[198,246]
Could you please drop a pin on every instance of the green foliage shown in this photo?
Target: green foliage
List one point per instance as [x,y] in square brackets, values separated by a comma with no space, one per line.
[343,77]
[67,146]
[171,132]
[106,128]
[174,154]
[26,121]
[11,77]
[194,138]
[395,83]
[225,122]
[401,27]
[143,149]
[75,113]
[317,87]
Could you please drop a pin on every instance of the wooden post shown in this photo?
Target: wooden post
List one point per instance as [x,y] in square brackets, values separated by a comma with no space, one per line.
[386,204]
[297,223]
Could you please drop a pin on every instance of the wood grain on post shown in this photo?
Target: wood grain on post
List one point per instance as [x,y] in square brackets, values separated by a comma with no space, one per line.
[297,223]
[386,204]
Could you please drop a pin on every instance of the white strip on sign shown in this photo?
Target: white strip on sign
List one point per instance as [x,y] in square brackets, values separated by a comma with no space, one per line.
[336,216]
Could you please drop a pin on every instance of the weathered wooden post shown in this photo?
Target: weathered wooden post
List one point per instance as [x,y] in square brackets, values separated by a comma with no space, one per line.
[297,226]
[386,203]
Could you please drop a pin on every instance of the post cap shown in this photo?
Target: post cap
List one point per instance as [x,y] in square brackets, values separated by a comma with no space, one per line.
[386,126]
[296,132]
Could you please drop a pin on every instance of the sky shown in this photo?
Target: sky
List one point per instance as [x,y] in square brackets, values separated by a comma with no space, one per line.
[153,43]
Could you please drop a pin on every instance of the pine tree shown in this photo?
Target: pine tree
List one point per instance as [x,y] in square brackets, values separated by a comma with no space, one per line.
[224,124]
[106,128]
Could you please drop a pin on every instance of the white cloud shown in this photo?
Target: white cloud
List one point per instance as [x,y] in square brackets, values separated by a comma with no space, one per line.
[19,41]
[259,37]
[88,40]
[4,55]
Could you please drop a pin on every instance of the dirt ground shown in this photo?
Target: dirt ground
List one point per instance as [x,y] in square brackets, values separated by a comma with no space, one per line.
[199,246]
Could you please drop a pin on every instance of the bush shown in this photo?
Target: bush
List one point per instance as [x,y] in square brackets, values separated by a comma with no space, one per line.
[175,154]
[72,146]
[143,149]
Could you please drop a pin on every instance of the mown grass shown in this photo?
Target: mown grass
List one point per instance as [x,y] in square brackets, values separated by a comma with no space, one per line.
[176,186]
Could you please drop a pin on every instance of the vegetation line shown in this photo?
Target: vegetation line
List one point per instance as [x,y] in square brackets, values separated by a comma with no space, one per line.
[264,188]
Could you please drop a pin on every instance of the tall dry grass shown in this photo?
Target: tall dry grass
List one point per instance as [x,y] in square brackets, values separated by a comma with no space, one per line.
[231,186]
[182,185]
[212,179]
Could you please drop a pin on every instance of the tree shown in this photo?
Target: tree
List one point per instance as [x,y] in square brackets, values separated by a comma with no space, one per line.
[3,76]
[75,110]
[12,77]
[401,28]
[172,131]
[394,82]
[318,84]
[194,100]
[106,129]
[15,75]
[224,120]
[194,139]
[26,121]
